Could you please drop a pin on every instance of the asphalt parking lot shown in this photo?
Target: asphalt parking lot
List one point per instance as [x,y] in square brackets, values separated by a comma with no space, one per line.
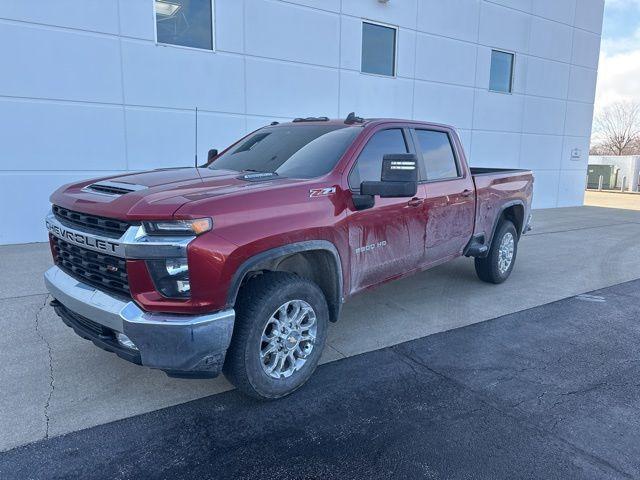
[55,383]
[549,392]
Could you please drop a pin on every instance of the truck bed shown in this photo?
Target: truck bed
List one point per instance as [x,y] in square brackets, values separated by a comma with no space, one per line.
[497,188]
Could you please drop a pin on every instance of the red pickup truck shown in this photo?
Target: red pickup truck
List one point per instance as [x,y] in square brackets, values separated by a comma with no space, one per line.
[238,266]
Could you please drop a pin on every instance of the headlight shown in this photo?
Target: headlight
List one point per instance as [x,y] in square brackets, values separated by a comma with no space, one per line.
[171,277]
[178,227]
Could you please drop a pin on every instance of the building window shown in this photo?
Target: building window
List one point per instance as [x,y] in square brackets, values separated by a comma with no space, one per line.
[438,159]
[188,23]
[501,78]
[378,49]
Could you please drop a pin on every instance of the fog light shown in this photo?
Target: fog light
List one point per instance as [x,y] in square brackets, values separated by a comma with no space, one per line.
[125,341]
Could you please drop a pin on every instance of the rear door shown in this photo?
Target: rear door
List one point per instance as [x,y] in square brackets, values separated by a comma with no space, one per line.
[388,239]
[450,199]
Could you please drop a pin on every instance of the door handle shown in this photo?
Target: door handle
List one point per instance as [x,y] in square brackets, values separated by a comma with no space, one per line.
[467,193]
[415,202]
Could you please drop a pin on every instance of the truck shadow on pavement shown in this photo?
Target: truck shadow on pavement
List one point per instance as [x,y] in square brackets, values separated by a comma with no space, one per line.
[549,392]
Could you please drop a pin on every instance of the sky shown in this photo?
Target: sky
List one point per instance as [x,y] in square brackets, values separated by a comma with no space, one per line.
[619,69]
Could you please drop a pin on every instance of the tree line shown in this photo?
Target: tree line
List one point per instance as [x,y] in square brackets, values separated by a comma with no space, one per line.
[616,130]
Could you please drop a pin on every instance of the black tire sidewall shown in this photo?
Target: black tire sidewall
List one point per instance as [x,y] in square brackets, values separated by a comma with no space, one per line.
[294,289]
[505,227]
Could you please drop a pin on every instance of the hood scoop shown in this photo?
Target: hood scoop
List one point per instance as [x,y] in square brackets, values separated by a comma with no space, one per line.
[113,189]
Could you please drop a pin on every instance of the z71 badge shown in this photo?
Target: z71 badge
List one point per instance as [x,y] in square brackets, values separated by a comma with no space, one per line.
[322,192]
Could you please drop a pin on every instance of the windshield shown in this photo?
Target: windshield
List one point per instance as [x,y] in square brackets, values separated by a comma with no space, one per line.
[300,151]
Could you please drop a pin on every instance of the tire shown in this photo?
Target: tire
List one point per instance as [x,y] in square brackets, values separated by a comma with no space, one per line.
[492,268]
[264,303]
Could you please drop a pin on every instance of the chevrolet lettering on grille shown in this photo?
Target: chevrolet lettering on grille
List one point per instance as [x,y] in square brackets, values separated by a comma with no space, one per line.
[82,239]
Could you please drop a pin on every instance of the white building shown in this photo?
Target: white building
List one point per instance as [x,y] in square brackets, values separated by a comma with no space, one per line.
[90,87]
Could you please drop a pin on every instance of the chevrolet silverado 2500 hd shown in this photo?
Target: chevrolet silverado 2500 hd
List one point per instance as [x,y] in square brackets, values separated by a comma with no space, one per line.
[238,266]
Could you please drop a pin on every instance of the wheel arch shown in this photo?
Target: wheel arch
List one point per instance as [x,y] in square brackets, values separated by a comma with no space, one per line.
[316,260]
[514,211]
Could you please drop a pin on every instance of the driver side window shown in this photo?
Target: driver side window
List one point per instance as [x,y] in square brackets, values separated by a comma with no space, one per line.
[369,164]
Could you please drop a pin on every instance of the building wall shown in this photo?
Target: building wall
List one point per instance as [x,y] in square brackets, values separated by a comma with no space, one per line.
[629,166]
[87,92]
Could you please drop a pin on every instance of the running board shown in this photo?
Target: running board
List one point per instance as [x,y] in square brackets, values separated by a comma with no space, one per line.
[476,247]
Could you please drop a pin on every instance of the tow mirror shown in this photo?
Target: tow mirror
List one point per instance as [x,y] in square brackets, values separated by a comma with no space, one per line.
[211,155]
[399,177]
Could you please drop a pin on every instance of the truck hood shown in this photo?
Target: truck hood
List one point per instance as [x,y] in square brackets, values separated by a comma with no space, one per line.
[157,194]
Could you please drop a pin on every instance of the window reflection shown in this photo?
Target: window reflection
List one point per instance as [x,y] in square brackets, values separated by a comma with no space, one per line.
[184,22]
[378,49]
[501,77]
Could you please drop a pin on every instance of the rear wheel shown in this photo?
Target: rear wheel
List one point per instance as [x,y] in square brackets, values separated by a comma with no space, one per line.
[279,334]
[498,264]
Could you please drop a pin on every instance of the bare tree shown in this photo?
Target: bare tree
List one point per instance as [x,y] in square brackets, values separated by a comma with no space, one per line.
[616,130]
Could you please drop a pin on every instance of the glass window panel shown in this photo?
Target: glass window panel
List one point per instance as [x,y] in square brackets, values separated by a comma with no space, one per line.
[378,49]
[437,155]
[184,22]
[369,164]
[300,151]
[501,78]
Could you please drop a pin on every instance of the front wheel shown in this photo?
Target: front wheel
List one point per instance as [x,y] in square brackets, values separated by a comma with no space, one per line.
[498,264]
[279,334]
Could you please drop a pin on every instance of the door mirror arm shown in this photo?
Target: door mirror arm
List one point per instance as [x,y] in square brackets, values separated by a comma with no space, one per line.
[211,156]
[363,202]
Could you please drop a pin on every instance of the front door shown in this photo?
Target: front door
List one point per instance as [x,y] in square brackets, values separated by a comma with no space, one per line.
[388,239]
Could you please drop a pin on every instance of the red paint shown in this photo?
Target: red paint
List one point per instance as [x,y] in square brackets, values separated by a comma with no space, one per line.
[251,217]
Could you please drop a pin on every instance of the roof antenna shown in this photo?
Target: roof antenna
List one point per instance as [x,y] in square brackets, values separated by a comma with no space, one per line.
[196,147]
[196,164]
[351,119]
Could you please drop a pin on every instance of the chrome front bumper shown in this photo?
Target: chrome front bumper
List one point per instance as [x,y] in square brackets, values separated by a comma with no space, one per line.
[178,344]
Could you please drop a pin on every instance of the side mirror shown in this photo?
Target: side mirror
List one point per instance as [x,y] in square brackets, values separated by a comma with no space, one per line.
[211,155]
[399,177]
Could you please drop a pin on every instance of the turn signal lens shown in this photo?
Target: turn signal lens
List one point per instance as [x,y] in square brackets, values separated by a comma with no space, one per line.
[196,226]
[201,225]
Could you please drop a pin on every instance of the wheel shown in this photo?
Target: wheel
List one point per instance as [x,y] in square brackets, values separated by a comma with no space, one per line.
[497,265]
[279,334]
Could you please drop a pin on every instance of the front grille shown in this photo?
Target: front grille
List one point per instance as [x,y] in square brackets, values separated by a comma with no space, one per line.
[109,227]
[102,271]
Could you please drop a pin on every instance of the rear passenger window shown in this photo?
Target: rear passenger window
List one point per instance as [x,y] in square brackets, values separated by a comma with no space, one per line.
[369,164]
[438,159]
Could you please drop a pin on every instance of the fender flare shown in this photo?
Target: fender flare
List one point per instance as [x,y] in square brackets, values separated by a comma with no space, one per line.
[334,304]
[503,207]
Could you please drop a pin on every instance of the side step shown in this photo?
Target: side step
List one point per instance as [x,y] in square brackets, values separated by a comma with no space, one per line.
[476,247]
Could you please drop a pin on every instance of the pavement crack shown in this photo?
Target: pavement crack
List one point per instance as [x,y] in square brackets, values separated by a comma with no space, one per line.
[50,356]
[334,348]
